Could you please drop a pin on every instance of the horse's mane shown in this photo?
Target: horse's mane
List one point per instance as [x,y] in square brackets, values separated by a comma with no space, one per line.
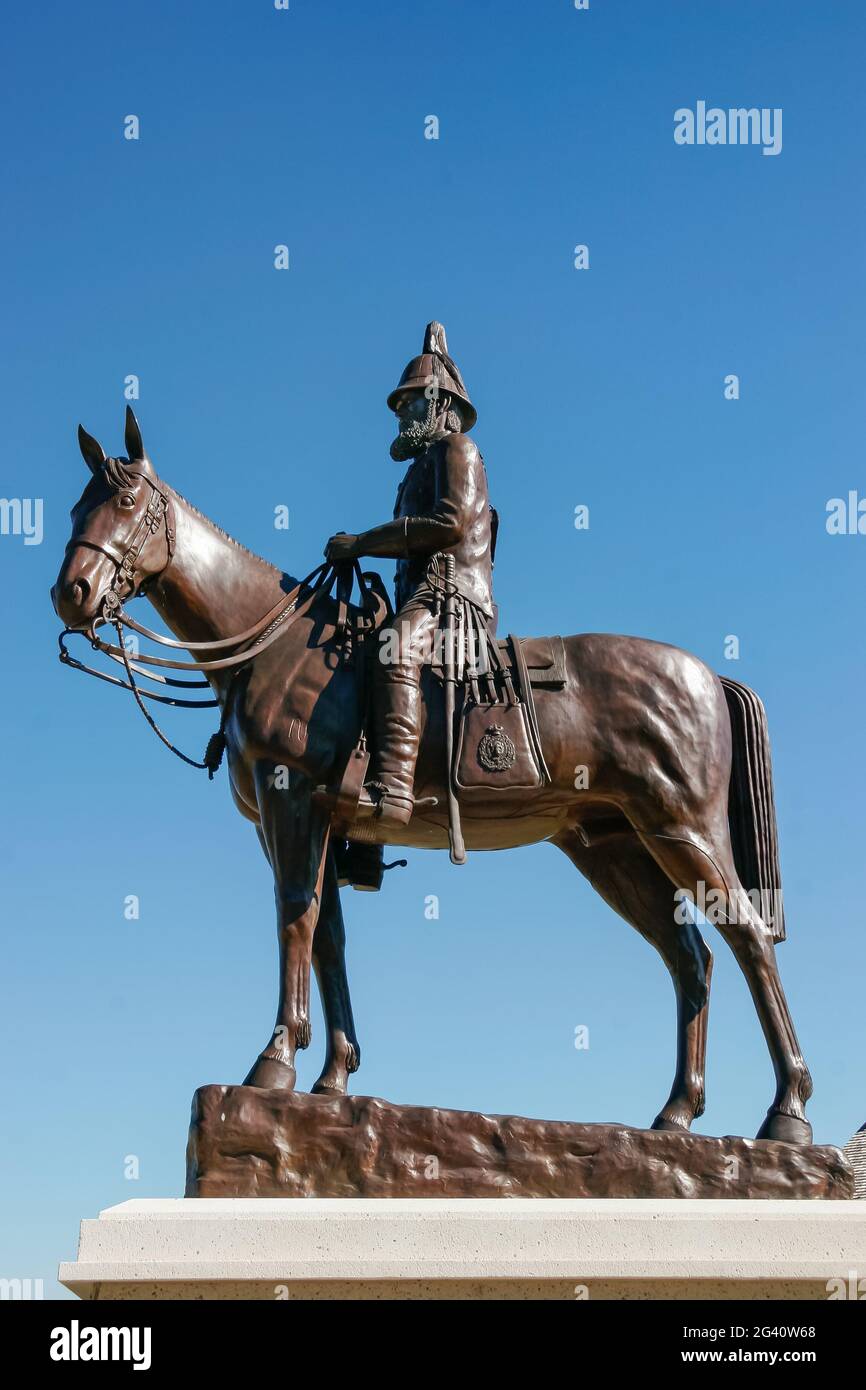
[219,530]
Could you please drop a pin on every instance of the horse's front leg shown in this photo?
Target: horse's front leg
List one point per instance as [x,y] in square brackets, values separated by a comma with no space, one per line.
[295,834]
[329,962]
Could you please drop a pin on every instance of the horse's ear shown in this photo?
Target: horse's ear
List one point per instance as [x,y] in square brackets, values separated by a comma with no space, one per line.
[132,438]
[91,450]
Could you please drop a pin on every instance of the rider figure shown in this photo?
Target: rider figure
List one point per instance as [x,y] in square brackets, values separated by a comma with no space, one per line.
[442,508]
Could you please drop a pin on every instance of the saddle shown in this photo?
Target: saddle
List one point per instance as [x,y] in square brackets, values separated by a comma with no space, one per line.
[493,743]
[496,738]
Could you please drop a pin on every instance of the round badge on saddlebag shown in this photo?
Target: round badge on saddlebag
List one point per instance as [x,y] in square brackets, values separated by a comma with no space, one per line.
[496,751]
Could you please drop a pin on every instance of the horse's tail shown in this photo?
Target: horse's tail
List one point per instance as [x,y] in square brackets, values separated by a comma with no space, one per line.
[752,807]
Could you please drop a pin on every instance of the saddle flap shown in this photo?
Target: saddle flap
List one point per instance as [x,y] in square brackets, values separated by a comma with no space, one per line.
[544,657]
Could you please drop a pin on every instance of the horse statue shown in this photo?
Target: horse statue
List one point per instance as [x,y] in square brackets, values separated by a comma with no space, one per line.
[659,785]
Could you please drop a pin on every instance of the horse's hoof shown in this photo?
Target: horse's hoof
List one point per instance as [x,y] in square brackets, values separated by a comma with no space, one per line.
[669,1126]
[328,1087]
[270,1074]
[788,1128]
[334,1080]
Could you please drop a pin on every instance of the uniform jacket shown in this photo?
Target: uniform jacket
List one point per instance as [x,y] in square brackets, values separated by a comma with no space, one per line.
[442,505]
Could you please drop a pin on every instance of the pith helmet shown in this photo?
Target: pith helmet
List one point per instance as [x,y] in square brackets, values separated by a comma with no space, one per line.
[434,362]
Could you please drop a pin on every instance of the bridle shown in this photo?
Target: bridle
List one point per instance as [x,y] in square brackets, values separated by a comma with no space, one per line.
[252,642]
[157,514]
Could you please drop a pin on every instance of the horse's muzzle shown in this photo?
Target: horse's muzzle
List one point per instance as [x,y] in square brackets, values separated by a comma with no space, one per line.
[70,600]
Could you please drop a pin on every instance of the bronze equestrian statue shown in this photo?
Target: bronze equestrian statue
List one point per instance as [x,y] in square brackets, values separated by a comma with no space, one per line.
[650,772]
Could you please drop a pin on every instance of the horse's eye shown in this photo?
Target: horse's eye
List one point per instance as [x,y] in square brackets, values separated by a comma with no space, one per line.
[126,500]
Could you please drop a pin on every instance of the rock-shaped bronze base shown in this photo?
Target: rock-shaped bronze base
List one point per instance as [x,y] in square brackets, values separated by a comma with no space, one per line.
[246,1142]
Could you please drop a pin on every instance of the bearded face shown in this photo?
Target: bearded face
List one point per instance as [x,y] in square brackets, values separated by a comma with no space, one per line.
[416,416]
[419,421]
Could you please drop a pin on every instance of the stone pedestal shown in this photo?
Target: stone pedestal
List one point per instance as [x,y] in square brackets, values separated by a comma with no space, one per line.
[487,1248]
[245,1142]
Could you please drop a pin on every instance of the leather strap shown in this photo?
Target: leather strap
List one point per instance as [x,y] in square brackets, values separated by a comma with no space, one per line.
[286,613]
[221,643]
[529,702]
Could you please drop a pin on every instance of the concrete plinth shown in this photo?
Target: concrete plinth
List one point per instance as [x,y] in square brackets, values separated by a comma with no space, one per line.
[489,1248]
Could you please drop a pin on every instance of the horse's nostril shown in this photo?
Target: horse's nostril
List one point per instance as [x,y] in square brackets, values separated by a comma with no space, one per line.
[80,591]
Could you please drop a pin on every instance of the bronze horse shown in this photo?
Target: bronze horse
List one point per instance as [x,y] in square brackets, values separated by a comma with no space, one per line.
[650,731]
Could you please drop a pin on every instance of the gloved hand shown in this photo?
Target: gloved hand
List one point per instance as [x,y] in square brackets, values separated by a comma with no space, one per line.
[342,547]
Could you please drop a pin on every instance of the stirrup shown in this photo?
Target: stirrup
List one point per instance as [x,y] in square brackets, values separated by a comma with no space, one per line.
[366,808]
[370,798]
[389,807]
[378,802]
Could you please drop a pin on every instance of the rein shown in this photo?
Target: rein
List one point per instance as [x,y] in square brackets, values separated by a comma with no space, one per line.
[266,630]
[254,640]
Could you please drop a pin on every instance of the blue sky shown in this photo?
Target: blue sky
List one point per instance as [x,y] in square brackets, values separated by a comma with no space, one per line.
[602,387]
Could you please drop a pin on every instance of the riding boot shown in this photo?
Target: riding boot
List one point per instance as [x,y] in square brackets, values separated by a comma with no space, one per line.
[388,792]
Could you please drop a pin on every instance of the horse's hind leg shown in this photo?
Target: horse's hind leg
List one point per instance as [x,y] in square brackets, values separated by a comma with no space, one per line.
[329,962]
[627,877]
[698,853]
